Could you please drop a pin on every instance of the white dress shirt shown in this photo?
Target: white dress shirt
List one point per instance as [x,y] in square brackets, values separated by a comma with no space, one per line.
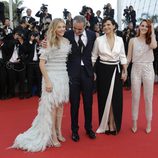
[84,40]
[0,54]
[14,57]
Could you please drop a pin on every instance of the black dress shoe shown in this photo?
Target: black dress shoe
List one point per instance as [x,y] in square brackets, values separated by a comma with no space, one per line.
[21,97]
[75,137]
[113,132]
[28,96]
[11,96]
[91,134]
[107,132]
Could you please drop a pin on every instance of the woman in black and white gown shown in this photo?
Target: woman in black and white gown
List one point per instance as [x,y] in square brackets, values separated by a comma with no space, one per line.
[46,127]
[109,49]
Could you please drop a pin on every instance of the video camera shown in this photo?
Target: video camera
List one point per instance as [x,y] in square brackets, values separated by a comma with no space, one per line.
[43,7]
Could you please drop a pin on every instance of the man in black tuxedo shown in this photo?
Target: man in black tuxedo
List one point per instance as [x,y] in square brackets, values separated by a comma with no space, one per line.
[29,19]
[81,74]
[33,70]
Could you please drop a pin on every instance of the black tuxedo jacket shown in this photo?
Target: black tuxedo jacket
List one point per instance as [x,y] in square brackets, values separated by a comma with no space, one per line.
[30,52]
[31,20]
[10,49]
[41,15]
[75,57]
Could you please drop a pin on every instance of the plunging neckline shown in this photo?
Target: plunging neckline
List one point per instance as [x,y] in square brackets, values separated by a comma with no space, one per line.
[111,48]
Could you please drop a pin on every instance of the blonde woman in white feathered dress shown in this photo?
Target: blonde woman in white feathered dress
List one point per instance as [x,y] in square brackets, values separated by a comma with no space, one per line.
[46,127]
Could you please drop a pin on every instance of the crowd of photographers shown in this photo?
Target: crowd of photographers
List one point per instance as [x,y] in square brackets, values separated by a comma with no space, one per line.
[19,58]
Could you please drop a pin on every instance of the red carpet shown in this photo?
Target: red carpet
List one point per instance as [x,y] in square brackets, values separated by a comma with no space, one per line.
[17,115]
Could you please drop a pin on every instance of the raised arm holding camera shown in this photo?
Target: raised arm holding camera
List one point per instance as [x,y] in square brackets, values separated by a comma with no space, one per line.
[45,17]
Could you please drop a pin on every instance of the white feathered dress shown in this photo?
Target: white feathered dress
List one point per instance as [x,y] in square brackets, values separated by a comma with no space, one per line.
[38,137]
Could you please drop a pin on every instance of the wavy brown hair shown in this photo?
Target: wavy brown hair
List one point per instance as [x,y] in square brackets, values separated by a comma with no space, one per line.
[148,34]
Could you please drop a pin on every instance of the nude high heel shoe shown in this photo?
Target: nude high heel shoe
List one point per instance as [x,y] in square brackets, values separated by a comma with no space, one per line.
[134,128]
[56,144]
[61,138]
[148,128]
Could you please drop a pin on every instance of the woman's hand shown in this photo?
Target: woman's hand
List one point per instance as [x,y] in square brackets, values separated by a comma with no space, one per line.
[124,76]
[48,86]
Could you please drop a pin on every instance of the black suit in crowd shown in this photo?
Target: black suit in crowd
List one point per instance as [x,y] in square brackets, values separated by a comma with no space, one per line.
[16,71]
[28,19]
[81,79]
[33,70]
[3,74]
[42,16]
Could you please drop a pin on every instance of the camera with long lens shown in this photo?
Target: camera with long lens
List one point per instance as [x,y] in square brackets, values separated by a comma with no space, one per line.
[44,7]
[19,11]
[65,13]
[84,10]
[105,7]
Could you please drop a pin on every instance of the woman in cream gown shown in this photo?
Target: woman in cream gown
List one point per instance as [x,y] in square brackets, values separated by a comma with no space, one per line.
[46,127]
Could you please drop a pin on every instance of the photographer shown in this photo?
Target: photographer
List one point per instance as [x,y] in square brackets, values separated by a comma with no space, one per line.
[3,73]
[28,18]
[108,11]
[69,22]
[88,13]
[128,33]
[126,14]
[16,57]
[33,70]
[7,29]
[45,17]
[130,15]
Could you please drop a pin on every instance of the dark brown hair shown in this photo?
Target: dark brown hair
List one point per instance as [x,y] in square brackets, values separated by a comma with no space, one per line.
[148,34]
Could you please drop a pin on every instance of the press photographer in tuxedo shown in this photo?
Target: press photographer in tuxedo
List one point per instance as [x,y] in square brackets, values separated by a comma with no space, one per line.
[28,18]
[45,17]
[15,57]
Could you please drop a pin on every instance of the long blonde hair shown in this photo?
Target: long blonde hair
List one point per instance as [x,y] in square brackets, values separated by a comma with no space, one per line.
[53,40]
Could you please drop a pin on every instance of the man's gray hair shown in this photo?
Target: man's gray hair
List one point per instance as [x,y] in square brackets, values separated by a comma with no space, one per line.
[79,19]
